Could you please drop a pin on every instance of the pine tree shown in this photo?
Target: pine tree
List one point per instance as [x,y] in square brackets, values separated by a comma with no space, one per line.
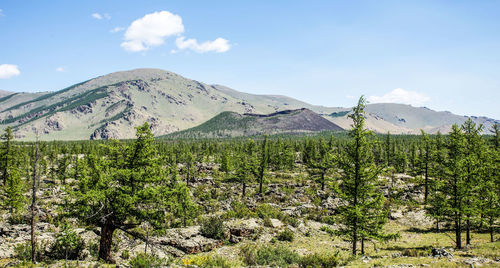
[321,163]
[264,159]
[123,188]
[247,166]
[12,192]
[425,159]
[364,215]
[436,205]
[455,187]
[474,148]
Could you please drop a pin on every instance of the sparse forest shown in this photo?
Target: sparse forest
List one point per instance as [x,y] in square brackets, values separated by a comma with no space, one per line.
[333,199]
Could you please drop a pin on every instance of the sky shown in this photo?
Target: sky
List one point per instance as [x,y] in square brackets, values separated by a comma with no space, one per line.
[444,55]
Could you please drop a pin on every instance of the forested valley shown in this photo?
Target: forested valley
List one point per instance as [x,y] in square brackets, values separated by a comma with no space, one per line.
[350,198]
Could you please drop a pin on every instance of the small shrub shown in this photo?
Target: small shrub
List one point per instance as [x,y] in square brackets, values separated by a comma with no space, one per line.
[23,252]
[239,211]
[286,235]
[328,220]
[268,255]
[267,222]
[320,260]
[293,221]
[125,254]
[144,260]
[328,230]
[68,245]
[213,227]
[207,261]
[93,249]
[267,211]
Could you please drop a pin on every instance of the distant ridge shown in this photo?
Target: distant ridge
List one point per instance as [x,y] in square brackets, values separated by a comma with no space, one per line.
[110,106]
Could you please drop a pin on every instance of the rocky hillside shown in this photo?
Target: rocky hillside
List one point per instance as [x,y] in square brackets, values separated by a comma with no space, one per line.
[231,124]
[110,106]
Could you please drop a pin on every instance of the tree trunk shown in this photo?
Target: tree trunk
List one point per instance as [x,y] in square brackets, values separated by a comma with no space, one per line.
[491,229]
[323,181]
[260,185]
[33,206]
[467,237]
[244,190]
[437,225]
[363,246]
[458,231]
[107,231]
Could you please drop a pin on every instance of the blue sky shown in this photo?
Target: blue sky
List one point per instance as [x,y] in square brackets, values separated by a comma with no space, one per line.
[441,54]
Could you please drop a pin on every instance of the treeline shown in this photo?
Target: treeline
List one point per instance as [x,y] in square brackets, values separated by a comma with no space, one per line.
[120,185]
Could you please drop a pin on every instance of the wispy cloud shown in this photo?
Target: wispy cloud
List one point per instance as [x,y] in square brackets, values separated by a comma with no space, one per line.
[98,16]
[400,95]
[153,29]
[218,45]
[1,13]
[8,71]
[116,29]
[60,69]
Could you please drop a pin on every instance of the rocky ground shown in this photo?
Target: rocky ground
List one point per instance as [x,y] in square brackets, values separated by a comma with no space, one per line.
[298,207]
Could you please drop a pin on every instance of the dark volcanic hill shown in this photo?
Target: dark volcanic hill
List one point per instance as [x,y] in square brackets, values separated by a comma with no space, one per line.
[231,124]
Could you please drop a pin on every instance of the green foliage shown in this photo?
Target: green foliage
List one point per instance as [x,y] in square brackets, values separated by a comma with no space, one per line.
[286,235]
[240,211]
[325,260]
[143,260]
[364,214]
[68,245]
[213,227]
[23,252]
[267,211]
[280,255]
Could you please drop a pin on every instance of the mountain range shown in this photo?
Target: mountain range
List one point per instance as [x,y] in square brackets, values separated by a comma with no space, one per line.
[110,106]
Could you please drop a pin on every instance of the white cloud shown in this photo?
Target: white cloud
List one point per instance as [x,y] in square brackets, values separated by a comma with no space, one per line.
[151,30]
[8,71]
[1,12]
[98,16]
[117,29]
[400,95]
[218,45]
[60,69]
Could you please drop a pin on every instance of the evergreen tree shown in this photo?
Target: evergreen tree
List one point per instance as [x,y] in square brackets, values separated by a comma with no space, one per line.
[425,159]
[12,192]
[123,188]
[473,151]
[364,215]
[321,163]
[264,159]
[455,187]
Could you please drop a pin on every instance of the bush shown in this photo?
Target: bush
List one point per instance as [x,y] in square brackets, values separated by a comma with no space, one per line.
[125,255]
[328,230]
[286,235]
[239,211]
[68,245]
[213,227]
[23,252]
[268,255]
[293,221]
[267,211]
[320,260]
[144,260]
[267,222]
[207,261]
